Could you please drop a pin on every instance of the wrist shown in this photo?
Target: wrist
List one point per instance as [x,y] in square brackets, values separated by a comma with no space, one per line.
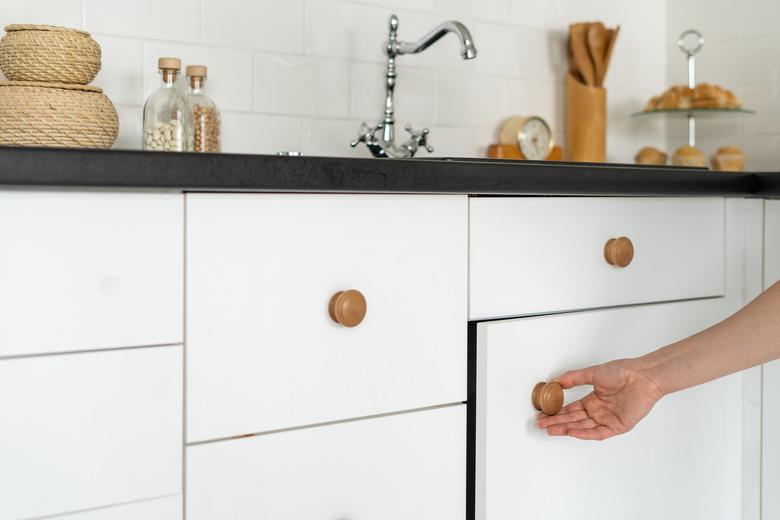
[649,369]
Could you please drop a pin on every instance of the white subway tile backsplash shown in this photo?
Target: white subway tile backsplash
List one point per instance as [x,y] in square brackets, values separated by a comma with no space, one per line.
[330,137]
[121,76]
[468,100]
[230,71]
[301,85]
[302,74]
[489,10]
[415,94]
[130,127]
[66,13]
[177,20]
[258,24]
[260,134]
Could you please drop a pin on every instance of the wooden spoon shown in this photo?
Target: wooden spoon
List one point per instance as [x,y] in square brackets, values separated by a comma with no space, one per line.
[597,45]
[611,37]
[579,51]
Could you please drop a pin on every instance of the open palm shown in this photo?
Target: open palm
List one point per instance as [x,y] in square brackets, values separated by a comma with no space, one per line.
[621,397]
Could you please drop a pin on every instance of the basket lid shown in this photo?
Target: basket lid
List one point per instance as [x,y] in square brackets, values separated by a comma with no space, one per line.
[62,86]
[38,27]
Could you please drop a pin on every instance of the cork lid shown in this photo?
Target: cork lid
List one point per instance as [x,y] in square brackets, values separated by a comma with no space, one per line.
[169,63]
[198,71]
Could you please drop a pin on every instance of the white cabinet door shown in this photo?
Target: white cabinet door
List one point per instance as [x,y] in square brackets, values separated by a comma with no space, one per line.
[81,271]
[682,461]
[770,481]
[409,466]
[262,351]
[166,508]
[79,431]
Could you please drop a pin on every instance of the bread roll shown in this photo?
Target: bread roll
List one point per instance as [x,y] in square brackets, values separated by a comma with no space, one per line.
[728,159]
[650,155]
[689,156]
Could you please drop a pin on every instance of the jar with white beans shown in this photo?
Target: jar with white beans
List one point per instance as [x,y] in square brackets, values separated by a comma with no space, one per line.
[168,119]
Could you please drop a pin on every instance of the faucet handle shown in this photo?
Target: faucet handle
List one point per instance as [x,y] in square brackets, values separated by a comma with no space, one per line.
[421,137]
[365,135]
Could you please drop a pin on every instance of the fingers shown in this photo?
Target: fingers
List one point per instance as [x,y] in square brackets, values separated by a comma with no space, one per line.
[577,378]
[561,418]
[598,433]
[564,429]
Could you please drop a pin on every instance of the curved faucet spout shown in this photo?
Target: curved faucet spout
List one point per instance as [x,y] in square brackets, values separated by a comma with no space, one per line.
[380,138]
[467,49]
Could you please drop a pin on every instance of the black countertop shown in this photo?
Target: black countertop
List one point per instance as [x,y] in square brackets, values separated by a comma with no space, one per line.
[42,167]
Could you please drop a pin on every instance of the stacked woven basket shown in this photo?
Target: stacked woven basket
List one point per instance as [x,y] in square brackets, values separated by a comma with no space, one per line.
[47,100]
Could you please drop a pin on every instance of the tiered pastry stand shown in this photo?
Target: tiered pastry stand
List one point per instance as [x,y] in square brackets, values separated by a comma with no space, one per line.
[690,43]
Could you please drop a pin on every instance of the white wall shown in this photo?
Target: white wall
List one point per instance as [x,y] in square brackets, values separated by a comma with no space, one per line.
[302,74]
[742,53]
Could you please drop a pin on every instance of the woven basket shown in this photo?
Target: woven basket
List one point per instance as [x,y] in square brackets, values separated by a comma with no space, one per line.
[54,114]
[50,54]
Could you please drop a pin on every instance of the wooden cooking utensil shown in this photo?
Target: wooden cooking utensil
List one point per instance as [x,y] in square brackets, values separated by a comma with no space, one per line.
[611,37]
[579,50]
[597,45]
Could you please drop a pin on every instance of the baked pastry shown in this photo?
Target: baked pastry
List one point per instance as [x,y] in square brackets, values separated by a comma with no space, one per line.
[728,159]
[650,155]
[704,95]
[689,156]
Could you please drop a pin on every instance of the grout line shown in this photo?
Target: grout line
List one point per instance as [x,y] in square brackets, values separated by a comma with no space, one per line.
[85,351]
[327,423]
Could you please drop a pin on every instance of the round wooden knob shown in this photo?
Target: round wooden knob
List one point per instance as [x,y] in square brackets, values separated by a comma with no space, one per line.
[547,397]
[619,251]
[347,308]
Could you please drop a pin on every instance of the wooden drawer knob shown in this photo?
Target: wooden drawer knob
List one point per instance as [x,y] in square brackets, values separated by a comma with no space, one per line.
[347,308]
[619,251]
[547,397]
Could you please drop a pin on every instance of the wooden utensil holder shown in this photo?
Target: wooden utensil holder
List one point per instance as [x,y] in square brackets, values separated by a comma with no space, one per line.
[586,122]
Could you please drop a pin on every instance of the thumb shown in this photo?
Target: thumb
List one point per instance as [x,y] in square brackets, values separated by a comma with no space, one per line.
[576,377]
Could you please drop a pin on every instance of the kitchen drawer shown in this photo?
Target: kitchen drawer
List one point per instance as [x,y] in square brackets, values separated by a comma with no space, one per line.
[770,423]
[262,351]
[410,466]
[684,460]
[80,431]
[84,271]
[167,508]
[538,255]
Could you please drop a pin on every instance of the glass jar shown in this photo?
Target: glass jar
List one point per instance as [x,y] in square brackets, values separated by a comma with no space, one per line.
[168,121]
[206,115]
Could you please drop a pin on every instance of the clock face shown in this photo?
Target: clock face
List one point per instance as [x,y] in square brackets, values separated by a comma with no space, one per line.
[535,139]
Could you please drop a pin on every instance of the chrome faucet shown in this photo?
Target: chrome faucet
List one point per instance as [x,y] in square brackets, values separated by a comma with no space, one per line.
[380,139]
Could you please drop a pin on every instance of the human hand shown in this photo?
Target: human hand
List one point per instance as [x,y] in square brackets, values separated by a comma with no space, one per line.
[622,395]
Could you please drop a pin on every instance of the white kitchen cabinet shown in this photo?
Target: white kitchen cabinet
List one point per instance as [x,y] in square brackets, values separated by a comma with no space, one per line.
[82,271]
[541,255]
[682,461]
[771,377]
[166,508]
[408,466]
[80,431]
[262,351]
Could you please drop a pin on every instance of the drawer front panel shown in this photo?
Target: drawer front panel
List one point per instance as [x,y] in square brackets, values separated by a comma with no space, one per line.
[537,255]
[264,354]
[86,271]
[684,460]
[81,431]
[409,466]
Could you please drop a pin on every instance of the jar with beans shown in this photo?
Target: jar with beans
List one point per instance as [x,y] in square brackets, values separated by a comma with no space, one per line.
[207,123]
[168,120]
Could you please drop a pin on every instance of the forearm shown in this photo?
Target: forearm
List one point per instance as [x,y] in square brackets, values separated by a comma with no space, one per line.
[746,339]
